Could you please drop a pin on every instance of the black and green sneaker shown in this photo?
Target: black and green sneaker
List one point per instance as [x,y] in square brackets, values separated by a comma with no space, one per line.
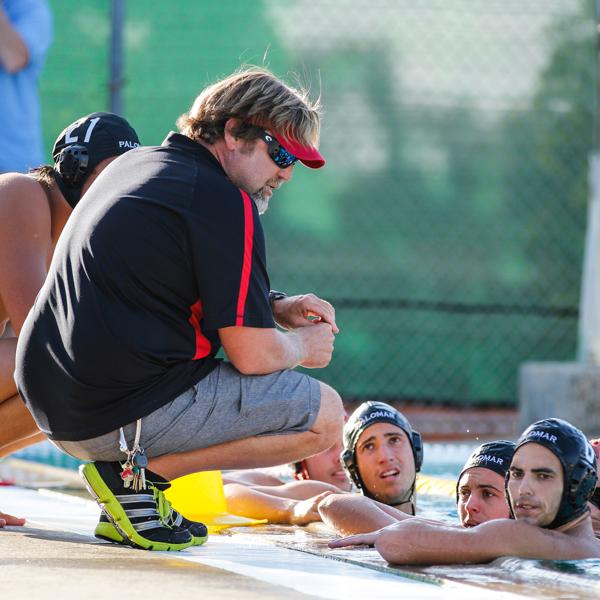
[105,530]
[137,518]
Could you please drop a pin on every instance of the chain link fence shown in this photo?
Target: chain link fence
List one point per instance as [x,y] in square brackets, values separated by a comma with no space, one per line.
[448,225]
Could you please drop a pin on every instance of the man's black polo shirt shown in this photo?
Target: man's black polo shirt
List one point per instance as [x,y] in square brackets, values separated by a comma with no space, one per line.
[162,251]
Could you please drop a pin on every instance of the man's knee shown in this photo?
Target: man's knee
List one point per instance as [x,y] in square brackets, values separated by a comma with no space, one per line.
[330,419]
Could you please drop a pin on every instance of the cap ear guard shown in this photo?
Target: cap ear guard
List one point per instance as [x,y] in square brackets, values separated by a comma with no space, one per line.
[582,483]
[417,444]
[349,464]
[72,163]
[578,489]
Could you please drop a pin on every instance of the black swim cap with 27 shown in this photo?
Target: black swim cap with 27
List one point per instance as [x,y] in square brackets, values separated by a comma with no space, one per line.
[85,143]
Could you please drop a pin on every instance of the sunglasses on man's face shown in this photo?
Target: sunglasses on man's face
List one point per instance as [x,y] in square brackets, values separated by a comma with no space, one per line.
[281,157]
[595,499]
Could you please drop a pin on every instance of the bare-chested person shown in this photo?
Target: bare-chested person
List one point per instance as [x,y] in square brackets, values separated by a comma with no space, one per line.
[551,477]
[34,208]
[479,496]
[480,486]
[382,455]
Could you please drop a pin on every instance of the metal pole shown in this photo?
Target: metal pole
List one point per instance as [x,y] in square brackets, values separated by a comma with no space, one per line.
[115,85]
[589,319]
[597,87]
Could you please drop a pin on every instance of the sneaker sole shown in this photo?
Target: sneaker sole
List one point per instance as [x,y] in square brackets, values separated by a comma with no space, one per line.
[116,513]
[197,540]
[108,532]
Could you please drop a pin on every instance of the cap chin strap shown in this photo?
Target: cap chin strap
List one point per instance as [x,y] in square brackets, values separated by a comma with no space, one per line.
[412,508]
[567,517]
[408,498]
[574,522]
[71,194]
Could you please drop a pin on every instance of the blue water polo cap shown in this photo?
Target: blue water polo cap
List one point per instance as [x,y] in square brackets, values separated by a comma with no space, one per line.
[578,461]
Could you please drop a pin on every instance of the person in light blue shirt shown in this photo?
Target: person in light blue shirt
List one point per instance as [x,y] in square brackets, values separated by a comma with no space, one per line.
[25,36]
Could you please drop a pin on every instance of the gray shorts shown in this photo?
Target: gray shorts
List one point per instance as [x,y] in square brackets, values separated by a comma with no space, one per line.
[222,407]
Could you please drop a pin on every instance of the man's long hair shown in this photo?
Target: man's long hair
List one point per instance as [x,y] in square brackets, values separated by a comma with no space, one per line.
[259,100]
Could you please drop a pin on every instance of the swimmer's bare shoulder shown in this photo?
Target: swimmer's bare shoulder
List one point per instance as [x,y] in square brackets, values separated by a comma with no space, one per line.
[25,243]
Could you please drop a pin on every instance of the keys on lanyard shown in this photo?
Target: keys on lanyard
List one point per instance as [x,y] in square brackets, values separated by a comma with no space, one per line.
[127,473]
[134,468]
[140,462]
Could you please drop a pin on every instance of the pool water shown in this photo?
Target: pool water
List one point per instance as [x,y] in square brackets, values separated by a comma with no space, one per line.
[533,578]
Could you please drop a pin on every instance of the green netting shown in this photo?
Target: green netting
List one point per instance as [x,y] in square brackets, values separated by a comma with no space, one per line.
[448,225]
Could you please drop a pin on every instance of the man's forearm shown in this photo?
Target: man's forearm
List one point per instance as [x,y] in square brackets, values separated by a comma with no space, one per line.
[259,351]
[286,351]
[350,514]
[13,51]
[262,351]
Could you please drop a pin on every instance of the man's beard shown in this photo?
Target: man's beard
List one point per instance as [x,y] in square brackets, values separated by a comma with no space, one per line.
[262,203]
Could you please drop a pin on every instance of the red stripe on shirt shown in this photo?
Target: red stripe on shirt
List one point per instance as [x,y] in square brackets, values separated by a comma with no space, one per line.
[247,264]
[202,343]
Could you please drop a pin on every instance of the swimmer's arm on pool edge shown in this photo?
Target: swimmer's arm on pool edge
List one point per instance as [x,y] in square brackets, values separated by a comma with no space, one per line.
[420,543]
[350,514]
[250,502]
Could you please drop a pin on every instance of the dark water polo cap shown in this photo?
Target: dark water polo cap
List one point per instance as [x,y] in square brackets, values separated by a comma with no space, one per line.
[578,461]
[495,456]
[85,143]
[364,416]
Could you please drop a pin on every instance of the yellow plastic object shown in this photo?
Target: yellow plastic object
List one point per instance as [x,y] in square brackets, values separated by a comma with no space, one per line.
[200,497]
[436,486]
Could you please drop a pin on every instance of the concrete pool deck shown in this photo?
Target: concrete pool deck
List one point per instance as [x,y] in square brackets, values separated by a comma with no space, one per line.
[56,555]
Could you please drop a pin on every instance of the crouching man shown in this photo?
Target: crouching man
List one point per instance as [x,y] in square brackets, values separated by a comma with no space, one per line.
[164,263]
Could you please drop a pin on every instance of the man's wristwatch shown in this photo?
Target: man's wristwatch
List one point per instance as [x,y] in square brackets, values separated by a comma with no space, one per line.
[274,295]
